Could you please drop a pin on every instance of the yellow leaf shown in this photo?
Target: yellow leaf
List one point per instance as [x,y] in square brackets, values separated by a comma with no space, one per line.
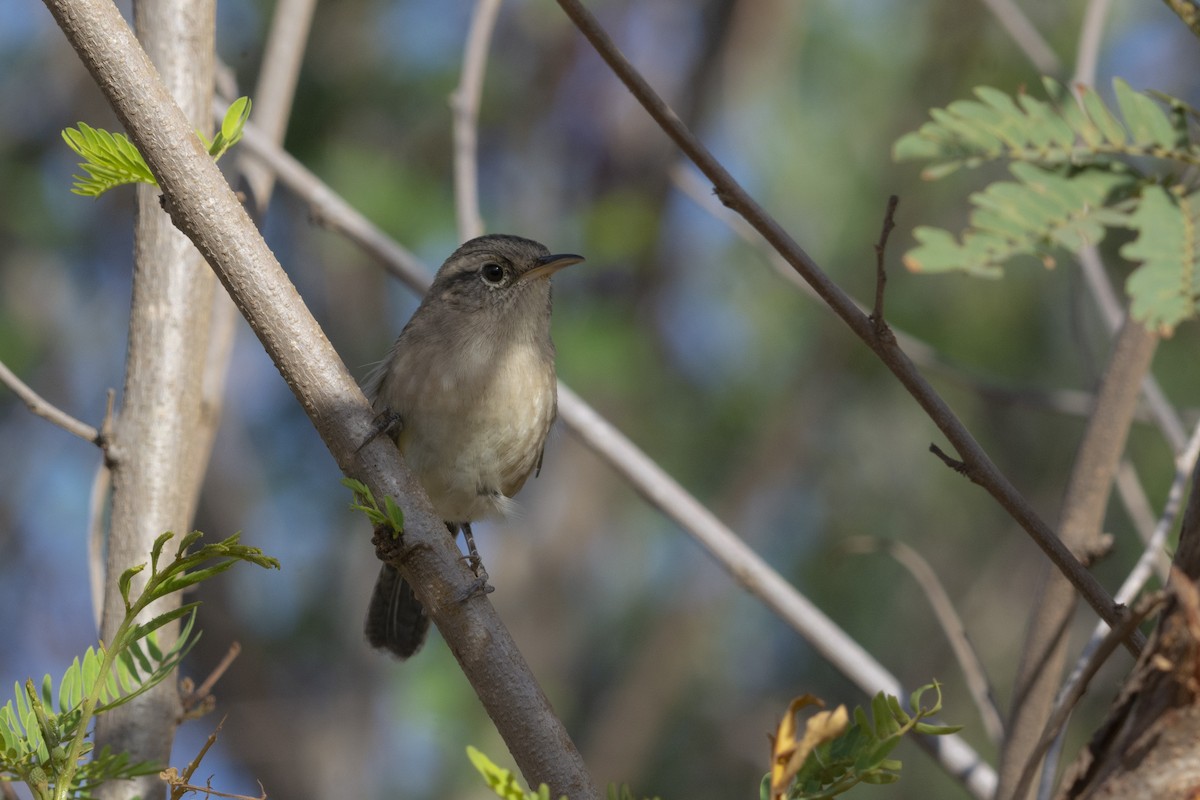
[789,753]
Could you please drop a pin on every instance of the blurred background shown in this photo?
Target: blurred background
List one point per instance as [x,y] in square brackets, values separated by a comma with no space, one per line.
[752,395]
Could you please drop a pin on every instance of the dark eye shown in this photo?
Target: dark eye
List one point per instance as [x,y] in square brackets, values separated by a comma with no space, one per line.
[492,273]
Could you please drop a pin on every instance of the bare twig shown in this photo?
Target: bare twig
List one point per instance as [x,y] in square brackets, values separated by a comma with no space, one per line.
[97,502]
[465,104]
[1091,33]
[1187,11]
[1062,401]
[1025,35]
[949,621]
[331,209]
[194,698]
[1068,699]
[276,89]
[644,475]
[889,222]
[177,789]
[977,465]
[47,410]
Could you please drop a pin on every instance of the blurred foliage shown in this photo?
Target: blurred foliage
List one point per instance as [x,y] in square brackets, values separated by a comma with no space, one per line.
[43,742]
[1072,160]
[683,335]
[832,755]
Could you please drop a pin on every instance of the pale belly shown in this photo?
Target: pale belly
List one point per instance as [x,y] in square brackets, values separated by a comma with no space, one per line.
[473,447]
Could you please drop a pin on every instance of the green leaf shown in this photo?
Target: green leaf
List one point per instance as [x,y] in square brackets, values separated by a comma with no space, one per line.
[156,550]
[395,515]
[109,160]
[235,120]
[1053,132]
[191,539]
[1037,215]
[124,581]
[1105,122]
[1145,118]
[1165,289]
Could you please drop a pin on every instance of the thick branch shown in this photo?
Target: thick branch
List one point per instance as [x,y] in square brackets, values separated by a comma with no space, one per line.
[203,206]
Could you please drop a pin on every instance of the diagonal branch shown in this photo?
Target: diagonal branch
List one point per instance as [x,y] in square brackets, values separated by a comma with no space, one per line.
[978,466]
[47,410]
[204,207]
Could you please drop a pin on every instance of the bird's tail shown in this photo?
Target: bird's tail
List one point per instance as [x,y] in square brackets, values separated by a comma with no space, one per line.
[396,620]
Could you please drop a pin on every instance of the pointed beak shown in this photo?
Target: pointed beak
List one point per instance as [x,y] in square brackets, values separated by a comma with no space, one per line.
[548,265]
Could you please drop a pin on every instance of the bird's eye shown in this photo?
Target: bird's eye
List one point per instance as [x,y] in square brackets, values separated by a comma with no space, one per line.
[492,273]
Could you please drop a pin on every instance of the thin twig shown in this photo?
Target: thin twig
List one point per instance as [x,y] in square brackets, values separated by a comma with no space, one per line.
[978,466]
[1062,401]
[1091,33]
[279,71]
[949,621]
[1025,35]
[464,101]
[889,222]
[645,476]
[193,699]
[97,503]
[47,410]
[1188,12]
[1068,699]
[194,764]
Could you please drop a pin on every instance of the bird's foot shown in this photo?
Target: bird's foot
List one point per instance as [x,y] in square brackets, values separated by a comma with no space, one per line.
[478,586]
[386,421]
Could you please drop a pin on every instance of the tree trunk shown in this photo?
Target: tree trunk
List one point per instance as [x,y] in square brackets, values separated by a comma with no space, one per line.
[156,469]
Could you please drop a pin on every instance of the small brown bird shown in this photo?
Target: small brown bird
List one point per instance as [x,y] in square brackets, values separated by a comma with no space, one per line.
[471,378]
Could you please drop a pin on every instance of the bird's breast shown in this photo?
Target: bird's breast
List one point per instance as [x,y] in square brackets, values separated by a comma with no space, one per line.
[474,428]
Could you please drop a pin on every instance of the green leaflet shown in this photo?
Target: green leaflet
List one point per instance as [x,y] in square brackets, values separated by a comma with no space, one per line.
[1039,213]
[1166,287]
[1077,166]
[1064,130]
[111,160]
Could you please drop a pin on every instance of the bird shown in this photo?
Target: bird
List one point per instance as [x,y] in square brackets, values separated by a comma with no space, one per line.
[471,384]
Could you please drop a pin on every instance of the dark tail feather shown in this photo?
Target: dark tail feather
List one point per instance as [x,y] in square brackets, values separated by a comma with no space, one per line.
[396,620]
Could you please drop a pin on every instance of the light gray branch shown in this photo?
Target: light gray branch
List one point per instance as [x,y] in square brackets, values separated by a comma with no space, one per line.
[465,103]
[206,209]
[1025,35]
[45,409]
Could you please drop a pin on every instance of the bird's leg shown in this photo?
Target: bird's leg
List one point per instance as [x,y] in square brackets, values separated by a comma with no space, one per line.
[480,584]
[386,421]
